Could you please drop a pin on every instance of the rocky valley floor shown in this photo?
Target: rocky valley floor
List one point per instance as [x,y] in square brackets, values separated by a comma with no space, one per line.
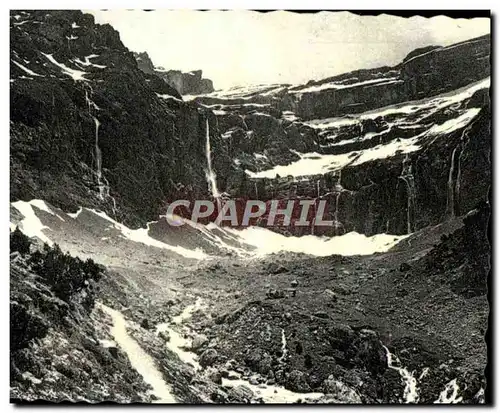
[283,328]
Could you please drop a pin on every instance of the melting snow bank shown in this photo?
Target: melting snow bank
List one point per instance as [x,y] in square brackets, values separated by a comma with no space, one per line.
[31,225]
[141,235]
[75,74]
[352,243]
[313,163]
[250,242]
[140,360]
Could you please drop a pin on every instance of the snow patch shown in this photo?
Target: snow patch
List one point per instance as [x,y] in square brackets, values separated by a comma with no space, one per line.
[455,123]
[435,103]
[107,343]
[75,74]
[87,61]
[29,376]
[141,235]
[75,215]
[267,242]
[336,86]
[219,112]
[28,71]
[166,96]
[31,225]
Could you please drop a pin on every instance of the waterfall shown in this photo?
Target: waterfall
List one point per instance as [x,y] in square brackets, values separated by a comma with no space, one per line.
[102,182]
[450,394]
[339,189]
[313,223]
[98,159]
[454,187]
[450,207]
[407,177]
[210,174]
[465,133]
[336,215]
[256,190]
[284,350]
[410,393]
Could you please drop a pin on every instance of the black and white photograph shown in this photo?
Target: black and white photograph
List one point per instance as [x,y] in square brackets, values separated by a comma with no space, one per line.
[237,206]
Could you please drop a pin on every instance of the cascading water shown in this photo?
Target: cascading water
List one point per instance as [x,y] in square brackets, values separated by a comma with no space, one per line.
[465,133]
[256,191]
[450,207]
[210,174]
[408,178]
[315,208]
[454,186]
[339,189]
[284,350]
[410,393]
[102,182]
[450,394]
[98,159]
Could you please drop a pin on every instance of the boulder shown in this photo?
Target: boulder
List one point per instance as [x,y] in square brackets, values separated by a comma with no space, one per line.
[198,342]
[208,357]
[241,392]
[340,391]
[297,381]
[165,336]
[215,376]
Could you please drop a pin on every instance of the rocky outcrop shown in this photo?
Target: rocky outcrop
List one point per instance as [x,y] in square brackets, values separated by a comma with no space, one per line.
[55,354]
[462,259]
[191,83]
[144,63]
[277,346]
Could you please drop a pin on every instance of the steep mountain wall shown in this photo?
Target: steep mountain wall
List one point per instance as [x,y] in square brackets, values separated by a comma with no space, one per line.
[394,169]
[92,125]
[428,73]
[387,171]
[88,127]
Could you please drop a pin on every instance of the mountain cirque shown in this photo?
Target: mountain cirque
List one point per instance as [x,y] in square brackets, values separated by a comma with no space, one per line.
[101,141]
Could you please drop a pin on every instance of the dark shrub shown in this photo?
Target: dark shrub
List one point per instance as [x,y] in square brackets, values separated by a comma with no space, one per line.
[66,275]
[19,242]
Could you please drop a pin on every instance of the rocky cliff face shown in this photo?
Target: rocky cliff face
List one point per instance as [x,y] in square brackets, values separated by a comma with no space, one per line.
[423,73]
[88,127]
[399,167]
[394,170]
[191,83]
